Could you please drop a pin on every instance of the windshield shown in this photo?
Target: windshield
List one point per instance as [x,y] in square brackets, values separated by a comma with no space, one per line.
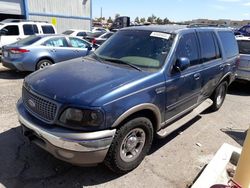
[29,40]
[144,49]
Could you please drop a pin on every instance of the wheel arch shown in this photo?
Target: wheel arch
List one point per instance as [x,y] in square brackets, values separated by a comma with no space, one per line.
[45,58]
[147,110]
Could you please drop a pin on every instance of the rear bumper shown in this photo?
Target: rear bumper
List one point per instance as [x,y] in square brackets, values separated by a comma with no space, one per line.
[243,75]
[71,146]
[13,65]
[8,65]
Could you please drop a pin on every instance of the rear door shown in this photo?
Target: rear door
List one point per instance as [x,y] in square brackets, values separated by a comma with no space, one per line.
[183,88]
[212,62]
[59,49]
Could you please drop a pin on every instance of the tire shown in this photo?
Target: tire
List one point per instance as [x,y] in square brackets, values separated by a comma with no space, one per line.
[130,145]
[219,96]
[43,63]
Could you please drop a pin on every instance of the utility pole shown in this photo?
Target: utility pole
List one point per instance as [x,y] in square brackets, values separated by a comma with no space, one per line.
[101,12]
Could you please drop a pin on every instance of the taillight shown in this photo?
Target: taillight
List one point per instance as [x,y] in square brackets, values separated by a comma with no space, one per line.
[18,51]
[93,41]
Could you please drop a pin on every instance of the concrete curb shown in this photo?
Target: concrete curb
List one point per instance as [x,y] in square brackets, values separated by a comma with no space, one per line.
[216,167]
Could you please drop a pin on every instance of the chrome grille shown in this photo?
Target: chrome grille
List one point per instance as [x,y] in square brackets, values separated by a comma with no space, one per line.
[38,106]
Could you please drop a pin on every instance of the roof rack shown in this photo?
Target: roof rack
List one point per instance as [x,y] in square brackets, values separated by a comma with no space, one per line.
[20,20]
[205,25]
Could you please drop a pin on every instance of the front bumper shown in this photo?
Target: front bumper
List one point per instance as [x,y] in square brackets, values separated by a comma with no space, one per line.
[71,146]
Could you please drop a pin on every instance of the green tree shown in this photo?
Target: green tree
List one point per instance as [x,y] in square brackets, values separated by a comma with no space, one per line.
[137,20]
[150,19]
[166,21]
[110,20]
[159,21]
[142,20]
[117,15]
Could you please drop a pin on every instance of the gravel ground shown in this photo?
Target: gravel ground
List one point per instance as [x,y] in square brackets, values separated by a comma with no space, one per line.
[172,162]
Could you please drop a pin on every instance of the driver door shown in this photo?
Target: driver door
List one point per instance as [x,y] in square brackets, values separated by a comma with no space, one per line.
[183,87]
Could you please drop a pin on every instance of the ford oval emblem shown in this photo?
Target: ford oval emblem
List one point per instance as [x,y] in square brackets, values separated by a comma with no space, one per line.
[31,103]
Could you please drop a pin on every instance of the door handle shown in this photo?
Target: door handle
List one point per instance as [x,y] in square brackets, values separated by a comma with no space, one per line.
[221,67]
[197,76]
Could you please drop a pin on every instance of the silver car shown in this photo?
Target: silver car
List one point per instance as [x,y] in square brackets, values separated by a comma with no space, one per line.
[243,71]
[38,51]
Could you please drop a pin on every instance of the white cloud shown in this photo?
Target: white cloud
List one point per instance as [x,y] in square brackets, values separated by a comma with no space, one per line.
[230,1]
[247,4]
[218,7]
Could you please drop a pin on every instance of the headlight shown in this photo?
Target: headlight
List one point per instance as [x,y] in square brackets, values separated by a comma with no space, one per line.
[78,117]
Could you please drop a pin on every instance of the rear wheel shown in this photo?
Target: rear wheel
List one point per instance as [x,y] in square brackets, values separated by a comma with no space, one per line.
[43,63]
[219,96]
[130,145]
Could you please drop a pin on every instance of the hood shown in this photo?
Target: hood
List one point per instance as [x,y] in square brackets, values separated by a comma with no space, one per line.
[80,81]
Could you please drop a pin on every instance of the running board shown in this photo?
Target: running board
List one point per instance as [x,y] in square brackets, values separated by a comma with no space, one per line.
[179,123]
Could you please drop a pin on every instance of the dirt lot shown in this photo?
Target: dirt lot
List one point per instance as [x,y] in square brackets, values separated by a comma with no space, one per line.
[172,162]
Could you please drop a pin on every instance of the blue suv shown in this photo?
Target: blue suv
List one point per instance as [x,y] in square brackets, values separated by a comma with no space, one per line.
[245,31]
[107,107]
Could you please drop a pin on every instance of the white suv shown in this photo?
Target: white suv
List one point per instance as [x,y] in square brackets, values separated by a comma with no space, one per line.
[243,71]
[14,30]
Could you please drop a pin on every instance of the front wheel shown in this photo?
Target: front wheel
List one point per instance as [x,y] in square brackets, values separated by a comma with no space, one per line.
[219,96]
[130,145]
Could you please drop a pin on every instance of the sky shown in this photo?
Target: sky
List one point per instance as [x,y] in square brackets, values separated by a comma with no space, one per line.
[174,10]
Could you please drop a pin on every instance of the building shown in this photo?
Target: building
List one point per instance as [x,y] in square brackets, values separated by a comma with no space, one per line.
[64,14]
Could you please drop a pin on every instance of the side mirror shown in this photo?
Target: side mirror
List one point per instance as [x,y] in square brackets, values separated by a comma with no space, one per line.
[181,64]
[3,31]
[89,48]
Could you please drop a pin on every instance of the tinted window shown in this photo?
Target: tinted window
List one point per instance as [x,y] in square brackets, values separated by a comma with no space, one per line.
[47,29]
[68,32]
[29,40]
[78,43]
[208,48]
[56,42]
[229,43]
[244,46]
[81,34]
[188,48]
[29,29]
[12,30]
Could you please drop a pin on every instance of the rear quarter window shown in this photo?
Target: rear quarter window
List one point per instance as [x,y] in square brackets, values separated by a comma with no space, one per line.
[47,29]
[229,43]
[244,46]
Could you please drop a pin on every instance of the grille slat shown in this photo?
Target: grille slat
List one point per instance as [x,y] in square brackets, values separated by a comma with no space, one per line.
[38,106]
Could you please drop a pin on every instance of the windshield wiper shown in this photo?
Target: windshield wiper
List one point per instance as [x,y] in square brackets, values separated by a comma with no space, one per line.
[122,62]
[98,58]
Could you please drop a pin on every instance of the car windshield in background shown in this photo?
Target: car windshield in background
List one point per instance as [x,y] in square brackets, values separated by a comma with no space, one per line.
[144,49]
[68,32]
[29,40]
[244,46]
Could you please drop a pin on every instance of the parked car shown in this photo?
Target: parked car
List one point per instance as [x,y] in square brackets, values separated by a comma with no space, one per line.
[91,36]
[14,30]
[129,90]
[38,51]
[76,32]
[245,31]
[101,39]
[99,29]
[243,71]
